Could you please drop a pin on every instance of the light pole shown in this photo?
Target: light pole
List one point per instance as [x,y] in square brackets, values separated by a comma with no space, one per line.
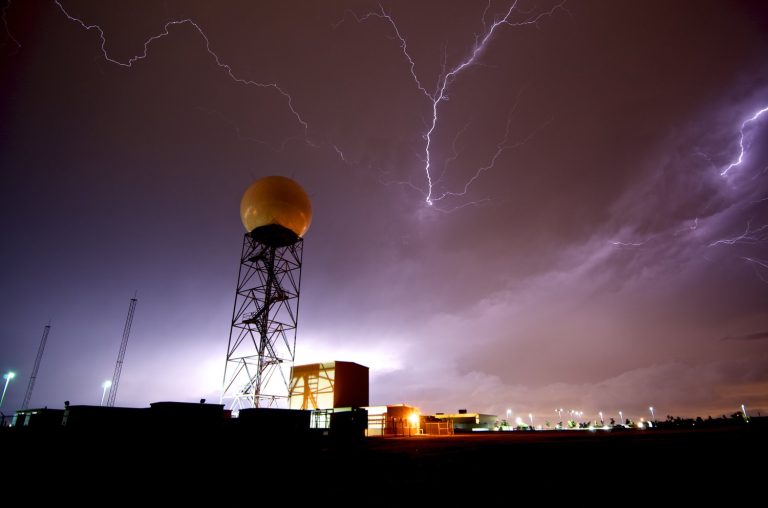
[621,418]
[7,376]
[509,415]
[105,385]
[530,417]
[602,422]
[653,415]
[743,411]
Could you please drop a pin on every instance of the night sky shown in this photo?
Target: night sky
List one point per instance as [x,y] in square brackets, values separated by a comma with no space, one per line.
[583,249]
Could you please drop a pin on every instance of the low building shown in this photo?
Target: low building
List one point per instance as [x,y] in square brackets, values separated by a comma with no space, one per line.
[394,420]
[38,418]
[328,385]
[467,422]
[86,417]
[275,421]
[186,415]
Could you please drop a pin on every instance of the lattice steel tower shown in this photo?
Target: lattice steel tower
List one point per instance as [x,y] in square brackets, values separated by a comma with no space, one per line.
[262,339]
[121,353]
[36,368]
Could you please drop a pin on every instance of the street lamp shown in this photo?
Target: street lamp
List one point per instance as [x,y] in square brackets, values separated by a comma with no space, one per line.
[105,385]
[621,418]
[530,417]
[602,422]
[744,412]
[7,376]
[653,415]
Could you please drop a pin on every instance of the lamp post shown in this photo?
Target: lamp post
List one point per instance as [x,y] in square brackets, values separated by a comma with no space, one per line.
[653,415]
[743,411]
[530,417]
[602,422]
[7,376]
[105,385]
[621,418]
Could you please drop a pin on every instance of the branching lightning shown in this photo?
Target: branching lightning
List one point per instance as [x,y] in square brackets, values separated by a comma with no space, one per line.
[454,152]
[5,24]
[760,266]
[339,153]
[235,128]
[440,94]
[749,235]
[742,148]
[463,205]
[165,32]
[500,148]
[752,235]
[693,226]
[628,244]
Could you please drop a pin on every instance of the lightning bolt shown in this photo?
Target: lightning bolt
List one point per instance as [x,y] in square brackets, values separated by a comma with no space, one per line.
[5,24]
[748,236]
[742,148]
[628,244]
[500,148]
[166,32]
[447,77]
[463,205]
[454,152]
[693,226]
[759,266]
[339,153]
[236,129]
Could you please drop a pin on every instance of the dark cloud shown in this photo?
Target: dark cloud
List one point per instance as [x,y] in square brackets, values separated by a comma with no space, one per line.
[591,266]
[750,336]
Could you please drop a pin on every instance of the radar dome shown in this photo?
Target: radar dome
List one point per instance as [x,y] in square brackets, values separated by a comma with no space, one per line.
[276,200]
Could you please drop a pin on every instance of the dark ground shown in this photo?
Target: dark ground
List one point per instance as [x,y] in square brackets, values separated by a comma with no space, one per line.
[632,466]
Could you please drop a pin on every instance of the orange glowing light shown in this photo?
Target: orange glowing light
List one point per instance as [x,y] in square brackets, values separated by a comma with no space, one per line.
[276,200]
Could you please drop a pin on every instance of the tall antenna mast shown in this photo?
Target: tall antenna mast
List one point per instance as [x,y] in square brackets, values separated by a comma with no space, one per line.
[121,353]
[33,377]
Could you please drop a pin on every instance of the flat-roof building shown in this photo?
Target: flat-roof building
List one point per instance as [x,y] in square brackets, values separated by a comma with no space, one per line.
[328,385]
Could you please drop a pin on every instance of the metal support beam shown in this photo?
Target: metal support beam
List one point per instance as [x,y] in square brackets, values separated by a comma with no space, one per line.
[262,337]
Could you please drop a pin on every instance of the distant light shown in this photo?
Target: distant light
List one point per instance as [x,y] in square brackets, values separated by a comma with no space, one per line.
[9,375]
[106,384]
[414,419]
